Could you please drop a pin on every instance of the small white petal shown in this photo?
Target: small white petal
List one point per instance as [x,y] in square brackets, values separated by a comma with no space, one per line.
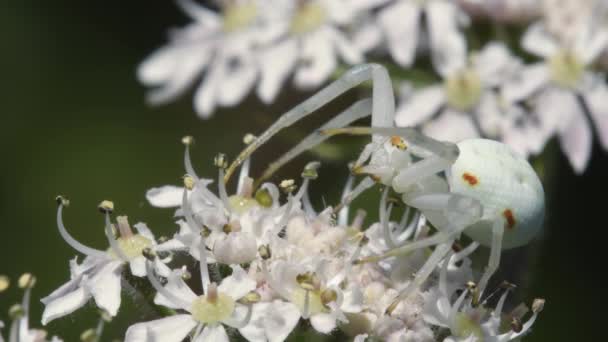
[597,102]
[576,141]
[254,330]
[528,80]
[451,126]
[346,48]
[400,23]
[138,266]
[592,46]
[276,63]
[538,41]
[235,248]
[205,95]
[239,75]
[317,60]
[323,323]
[215,333]
[448,45]
[143,230]
[280,321]
[237,284]
[105,287]
[167,196]
[176,286]
[66,304]
[420,107]
[494,63]
[169,329]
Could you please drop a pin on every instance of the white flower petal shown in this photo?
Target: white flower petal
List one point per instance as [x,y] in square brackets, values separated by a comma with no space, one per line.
[254,331]
[239,75]
[597,102]
[353,300]
[323,323]
[368,36]
[237,284]
[167,196]
[400,22]
[494,63]
[317,59]
[593,45]
[489,115]
[420,107]
[538,41]
[523,84]
[205,96]
[215,333]
[346,49]
[138,266]
[448,45]
[199,13]
[143,230]
[451,126]
[280,321]
[276,63]
[235,248]
[169,329]
[576,140]
[180,66]
[105,287]
[65,304]
[176,286]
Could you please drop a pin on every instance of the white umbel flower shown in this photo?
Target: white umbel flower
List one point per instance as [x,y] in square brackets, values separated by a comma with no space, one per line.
[219,45]
[564,83]
[314,40]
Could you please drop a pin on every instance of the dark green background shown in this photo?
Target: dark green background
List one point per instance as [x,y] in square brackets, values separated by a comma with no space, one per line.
[74,122]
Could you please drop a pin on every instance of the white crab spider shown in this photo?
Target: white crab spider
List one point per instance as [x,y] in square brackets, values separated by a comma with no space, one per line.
[493,195]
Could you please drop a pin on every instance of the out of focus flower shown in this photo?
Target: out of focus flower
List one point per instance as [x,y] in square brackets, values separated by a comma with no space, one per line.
[314,36]
[565,88]
[466,105]
[401,26]
[220,46]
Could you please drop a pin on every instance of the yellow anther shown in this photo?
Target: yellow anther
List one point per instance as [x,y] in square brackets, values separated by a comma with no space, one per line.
[26,281]
[106,206]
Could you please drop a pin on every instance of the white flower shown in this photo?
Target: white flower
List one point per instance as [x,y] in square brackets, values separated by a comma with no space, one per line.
[205,315]
[220,46]
[564,86]
[314,38]
[99,275]
[400,24]
[466,103]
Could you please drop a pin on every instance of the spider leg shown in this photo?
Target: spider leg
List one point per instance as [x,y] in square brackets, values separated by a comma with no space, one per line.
[420,144]
[358,110]
[495,251]
[425,271]
[460,212]
[383,107]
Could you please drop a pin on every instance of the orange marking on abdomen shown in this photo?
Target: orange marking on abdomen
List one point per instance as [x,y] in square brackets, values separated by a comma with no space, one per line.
[508,215]
[469,178]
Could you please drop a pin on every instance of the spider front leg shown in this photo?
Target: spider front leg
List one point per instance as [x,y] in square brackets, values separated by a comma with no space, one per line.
[383,107]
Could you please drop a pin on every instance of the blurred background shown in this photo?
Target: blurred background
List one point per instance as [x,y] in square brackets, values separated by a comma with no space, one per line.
[74,122]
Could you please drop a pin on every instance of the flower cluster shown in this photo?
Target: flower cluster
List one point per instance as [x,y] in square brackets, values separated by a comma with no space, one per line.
[266,260]
[483,90]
